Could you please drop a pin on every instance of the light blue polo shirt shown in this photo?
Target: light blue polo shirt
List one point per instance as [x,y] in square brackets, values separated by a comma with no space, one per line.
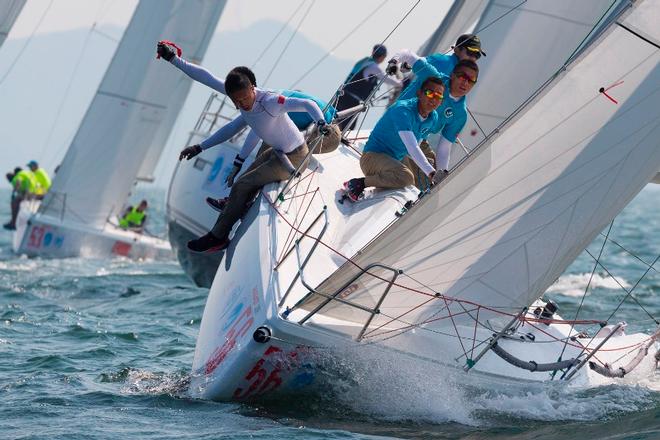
[452,116]
[401,116]
[433,65]
[303,119]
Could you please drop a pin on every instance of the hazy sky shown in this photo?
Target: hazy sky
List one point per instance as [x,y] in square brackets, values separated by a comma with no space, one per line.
[327,22]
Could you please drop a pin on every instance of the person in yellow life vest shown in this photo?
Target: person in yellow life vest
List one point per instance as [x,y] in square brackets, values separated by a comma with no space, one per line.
[23,184]
[42,178]
[134,218]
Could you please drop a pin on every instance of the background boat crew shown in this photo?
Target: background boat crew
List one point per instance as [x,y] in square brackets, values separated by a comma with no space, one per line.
[395,136]
[468,47]
[361,81]
[24,185]
[134,218]
[265,113]
[42,178]
[452,116]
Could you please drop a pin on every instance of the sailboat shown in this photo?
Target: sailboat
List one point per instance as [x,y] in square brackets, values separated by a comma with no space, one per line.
[455,277]
[9,12]
[119,140]
[546,32]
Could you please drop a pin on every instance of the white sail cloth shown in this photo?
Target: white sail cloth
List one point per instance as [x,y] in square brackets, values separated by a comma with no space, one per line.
[512,217]
[131,115]
[526,44]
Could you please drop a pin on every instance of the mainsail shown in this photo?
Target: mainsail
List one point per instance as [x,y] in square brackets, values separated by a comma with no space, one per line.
[526,43]
[512,216]
[131,115]
[9,10]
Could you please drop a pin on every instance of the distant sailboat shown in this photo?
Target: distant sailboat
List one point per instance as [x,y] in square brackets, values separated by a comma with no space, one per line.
[9,11]
[451,278]
[119,139]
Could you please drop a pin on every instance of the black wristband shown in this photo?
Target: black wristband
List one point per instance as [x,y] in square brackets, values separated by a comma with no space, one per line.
[238,161]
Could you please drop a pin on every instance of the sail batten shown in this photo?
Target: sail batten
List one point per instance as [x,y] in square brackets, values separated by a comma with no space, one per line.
[131,115]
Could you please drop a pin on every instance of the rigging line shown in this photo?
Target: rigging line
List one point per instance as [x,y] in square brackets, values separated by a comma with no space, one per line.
[630,253]
[590,32]
[586,289]
[272,41]
[350,33]
[623,288]
[633,288]
[58,113]
[286,46]
[499,18]
[29,39]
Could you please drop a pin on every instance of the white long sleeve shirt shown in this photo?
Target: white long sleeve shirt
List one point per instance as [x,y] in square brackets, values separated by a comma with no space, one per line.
[269,121]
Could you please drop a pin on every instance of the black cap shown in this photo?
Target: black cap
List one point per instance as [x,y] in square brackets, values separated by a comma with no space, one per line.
[471,42]
[379,51]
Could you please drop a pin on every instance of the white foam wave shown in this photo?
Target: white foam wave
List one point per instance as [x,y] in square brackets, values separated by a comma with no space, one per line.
[574,284]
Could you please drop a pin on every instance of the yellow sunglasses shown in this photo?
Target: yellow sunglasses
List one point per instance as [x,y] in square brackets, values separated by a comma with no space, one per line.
[433,94]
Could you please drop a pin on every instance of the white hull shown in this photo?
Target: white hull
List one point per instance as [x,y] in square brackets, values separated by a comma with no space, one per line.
[39,235]
[248,294]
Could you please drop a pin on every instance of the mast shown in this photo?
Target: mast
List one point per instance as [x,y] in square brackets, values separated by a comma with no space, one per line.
[9,11]
[510,219]
[132,113]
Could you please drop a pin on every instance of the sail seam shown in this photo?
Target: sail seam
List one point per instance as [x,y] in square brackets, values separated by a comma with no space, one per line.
[135,101]
[638,35]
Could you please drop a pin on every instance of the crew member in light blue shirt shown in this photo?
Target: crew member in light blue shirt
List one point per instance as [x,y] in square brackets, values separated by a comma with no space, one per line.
[468,47]
[395,137]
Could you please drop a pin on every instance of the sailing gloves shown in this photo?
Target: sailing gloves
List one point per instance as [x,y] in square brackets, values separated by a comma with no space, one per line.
[238,164]
[323,127]
[165,51]
[190,152]
[439,176]
[393,67]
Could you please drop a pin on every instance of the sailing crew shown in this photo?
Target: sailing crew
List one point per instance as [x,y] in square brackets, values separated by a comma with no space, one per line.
[266,113]
[452,116]
[134,218]
[468,47]
[300,119]
[395,136]
[42,178]
[23,186]
[362,80]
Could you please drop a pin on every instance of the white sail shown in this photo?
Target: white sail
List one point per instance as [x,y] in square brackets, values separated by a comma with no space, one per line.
[132,113]
[526,44]
[510,219]
[9,10]
[460,19]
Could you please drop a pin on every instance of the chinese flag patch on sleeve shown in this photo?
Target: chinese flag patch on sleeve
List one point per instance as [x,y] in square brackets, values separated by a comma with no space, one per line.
[280,99]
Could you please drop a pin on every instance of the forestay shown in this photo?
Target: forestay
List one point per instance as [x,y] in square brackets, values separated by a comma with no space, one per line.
[132,113]
[9,10]
[510,219]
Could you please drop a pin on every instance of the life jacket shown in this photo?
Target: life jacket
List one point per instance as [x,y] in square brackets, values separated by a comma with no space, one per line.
[28,183]
[43,181]
[132,218]
[356,85]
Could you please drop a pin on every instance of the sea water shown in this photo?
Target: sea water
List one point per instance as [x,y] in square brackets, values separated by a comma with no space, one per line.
[102,349]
